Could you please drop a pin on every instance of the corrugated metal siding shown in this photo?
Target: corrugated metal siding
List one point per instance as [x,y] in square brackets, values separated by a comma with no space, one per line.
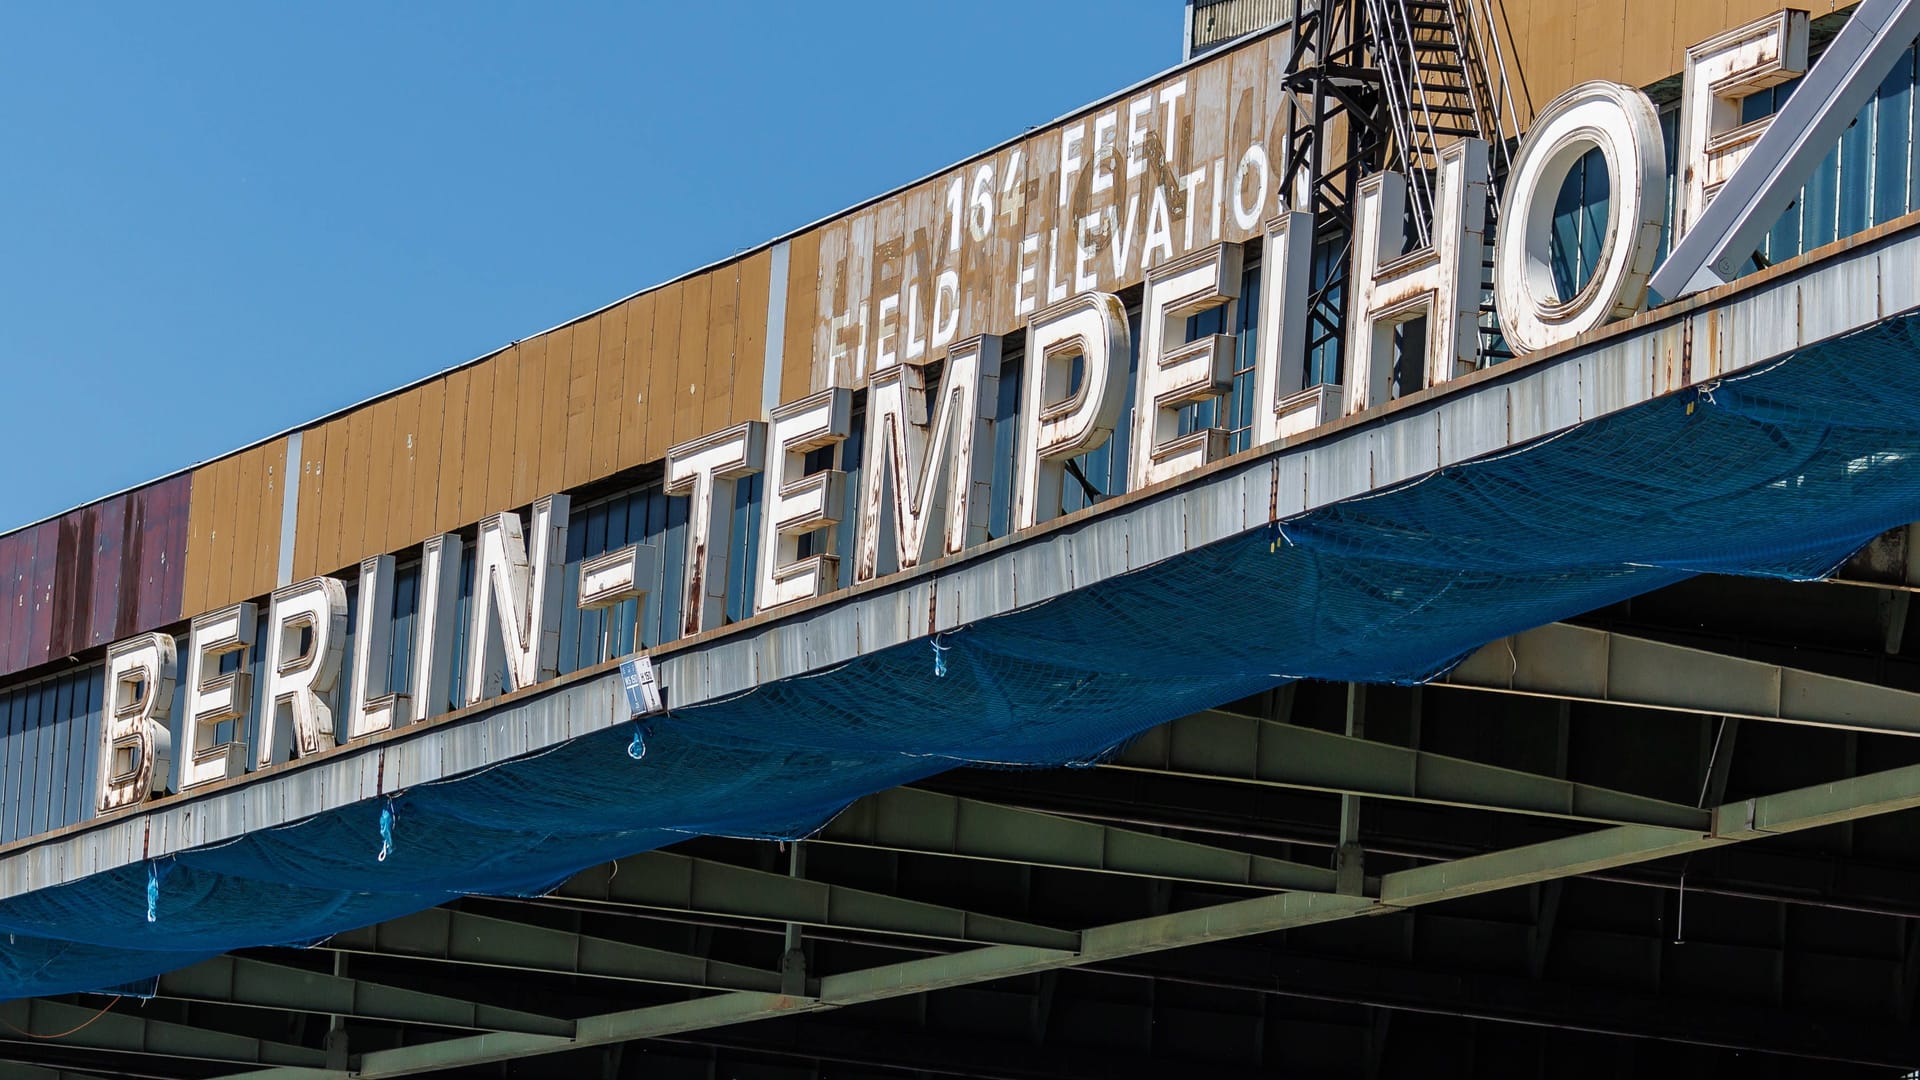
[47,732]
[1224,20]
[93,575]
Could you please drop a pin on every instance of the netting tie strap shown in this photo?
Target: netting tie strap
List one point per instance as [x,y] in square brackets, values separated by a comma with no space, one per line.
[637,749]
[386,829]
[939,657]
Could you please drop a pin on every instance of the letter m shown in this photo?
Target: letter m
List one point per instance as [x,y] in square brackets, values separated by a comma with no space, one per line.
[928,460]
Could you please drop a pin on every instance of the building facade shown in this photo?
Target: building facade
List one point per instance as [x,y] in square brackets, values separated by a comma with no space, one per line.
[1389,352]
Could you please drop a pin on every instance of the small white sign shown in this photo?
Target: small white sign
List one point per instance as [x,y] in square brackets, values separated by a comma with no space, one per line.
[643,688]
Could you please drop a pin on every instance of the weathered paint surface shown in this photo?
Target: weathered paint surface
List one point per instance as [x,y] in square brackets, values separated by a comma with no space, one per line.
[93,575]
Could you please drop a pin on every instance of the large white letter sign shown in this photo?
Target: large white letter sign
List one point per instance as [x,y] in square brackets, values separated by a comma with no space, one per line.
[1283,404]
[1729,230]
[1720,71]
[1621,123]
[295,719]
[708,471]
[136,748]
[215,697]
[433,617]
[523,583]
[940,465]
[1441,281]
[796,502]
[1057,419]
[1175,372]
[373,706]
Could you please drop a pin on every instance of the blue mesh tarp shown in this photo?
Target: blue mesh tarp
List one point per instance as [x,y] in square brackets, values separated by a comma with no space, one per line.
[1781,472]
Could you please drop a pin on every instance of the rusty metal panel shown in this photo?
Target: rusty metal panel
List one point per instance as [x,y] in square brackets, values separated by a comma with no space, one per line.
[717,386]
[160,569]
[109,538]
[16,575]
[832,298]
[46,562]
[804,303]
[576,458]
[73,581]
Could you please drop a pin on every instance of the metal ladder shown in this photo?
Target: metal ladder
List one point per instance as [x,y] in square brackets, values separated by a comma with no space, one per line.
[1444,74]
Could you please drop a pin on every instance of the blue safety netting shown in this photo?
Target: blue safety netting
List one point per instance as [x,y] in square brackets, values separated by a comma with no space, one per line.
[1781,472]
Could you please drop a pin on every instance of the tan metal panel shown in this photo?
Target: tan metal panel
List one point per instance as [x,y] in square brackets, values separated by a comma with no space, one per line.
[557,376]
[1513,18]
[267,525]
[393,519]
[723,308]
[663,371]
[1551,45]
[365,519]
[455,459]
[636,369]
[202,518]
[689,360]
[833,300]
[750,338]
[1599,32]
[313,478]
[499,433]
[476,456]
[424,477]
[341,486]
[613,404]
[1647,38]
[804,303]
[1041,218]
[885,266]
[583,367]
[536,358]
[1247,118]
[1205,218]
[244,557]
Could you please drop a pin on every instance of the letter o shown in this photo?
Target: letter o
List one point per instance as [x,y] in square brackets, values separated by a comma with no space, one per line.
[1621,123]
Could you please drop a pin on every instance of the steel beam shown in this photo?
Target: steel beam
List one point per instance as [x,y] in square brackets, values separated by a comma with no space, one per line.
[33,1021]
[909,819]
[670,882]
[1577,663]
[1215,745]
[466,938]
[1602,849]
[236,980]
[20,1070]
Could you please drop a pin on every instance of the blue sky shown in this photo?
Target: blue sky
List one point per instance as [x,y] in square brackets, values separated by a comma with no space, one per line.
[222,220]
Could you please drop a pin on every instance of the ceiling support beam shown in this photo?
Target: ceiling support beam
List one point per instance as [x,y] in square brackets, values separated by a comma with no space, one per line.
[467,938]
[1602,849]
[33,1020]
[670,882]
[237,980]
[910,819]
[1215,745]
[1578,663]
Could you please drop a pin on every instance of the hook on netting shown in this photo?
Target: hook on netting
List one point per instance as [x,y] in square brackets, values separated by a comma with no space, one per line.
[153,891]
[939,657]
[1273,537]
[637,749]
[386,830]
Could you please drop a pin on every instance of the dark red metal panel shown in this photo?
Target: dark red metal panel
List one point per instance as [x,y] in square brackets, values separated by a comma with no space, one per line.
[109,541]
[46,574]
[93,576]
[12,603]
[73,582]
